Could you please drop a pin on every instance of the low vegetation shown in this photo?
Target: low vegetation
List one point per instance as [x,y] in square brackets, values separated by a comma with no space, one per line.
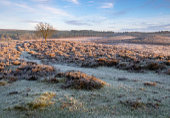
[150,83]
[71,104]
[94,55]
[3,83]
[79,80]
[77,74]
[33,71]
[41,102]
[137,104]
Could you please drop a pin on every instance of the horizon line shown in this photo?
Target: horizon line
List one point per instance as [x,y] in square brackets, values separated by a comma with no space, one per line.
[94,30]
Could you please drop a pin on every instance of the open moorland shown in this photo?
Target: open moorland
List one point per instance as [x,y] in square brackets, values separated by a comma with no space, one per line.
[123,76]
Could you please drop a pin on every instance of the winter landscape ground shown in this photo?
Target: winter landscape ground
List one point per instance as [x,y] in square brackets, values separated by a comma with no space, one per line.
[124,76]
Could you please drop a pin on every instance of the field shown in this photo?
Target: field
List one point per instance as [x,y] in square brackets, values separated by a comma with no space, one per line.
[124,76]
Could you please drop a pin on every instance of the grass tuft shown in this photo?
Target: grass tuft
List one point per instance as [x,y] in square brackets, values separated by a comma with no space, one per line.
[41,102]
[150,83]
[3,83]
[79,80]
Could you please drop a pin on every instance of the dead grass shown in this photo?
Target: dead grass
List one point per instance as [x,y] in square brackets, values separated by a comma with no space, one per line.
[16,62]
[79,80]
[168,62]
[107,62]
[33,71]
[94,55]
[3,83]
[77,53]
[154,66]
[41,102]
[71,104]
[51,80]
[12,79]
[1,68]
[150,83]
[136,104]
[52,55]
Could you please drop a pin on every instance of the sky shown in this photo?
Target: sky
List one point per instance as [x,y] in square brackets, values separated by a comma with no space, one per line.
[99,15]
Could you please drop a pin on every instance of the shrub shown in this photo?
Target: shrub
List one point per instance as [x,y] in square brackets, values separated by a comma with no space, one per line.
[150,83]
[16,62]
[154,66]
[79,80]
[3,83]
[33,71]
[136,104]
[107,62]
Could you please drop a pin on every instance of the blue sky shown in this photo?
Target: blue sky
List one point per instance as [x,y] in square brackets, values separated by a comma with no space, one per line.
[101,15]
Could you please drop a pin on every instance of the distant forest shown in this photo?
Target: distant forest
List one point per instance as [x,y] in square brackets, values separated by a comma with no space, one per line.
[26,35]
[6,34]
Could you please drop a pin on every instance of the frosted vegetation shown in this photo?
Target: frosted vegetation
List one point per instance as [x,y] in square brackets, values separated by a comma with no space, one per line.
[98,77]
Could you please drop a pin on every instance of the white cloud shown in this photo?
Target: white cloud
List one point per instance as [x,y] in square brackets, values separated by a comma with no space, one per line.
[55,11]
[5,2]
[41,9]
[41,1]
[18,5]
[77,23]
[24,6]
[107,5]
[73,1]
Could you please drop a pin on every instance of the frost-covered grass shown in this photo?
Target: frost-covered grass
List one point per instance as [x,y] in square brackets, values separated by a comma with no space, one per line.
[129,94]
[106,102]
[131,57]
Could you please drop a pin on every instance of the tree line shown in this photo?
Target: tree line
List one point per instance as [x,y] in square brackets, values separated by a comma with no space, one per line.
[23,35]
[45,30]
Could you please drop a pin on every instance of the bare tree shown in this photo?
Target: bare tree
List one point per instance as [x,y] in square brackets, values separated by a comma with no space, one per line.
[44,30]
